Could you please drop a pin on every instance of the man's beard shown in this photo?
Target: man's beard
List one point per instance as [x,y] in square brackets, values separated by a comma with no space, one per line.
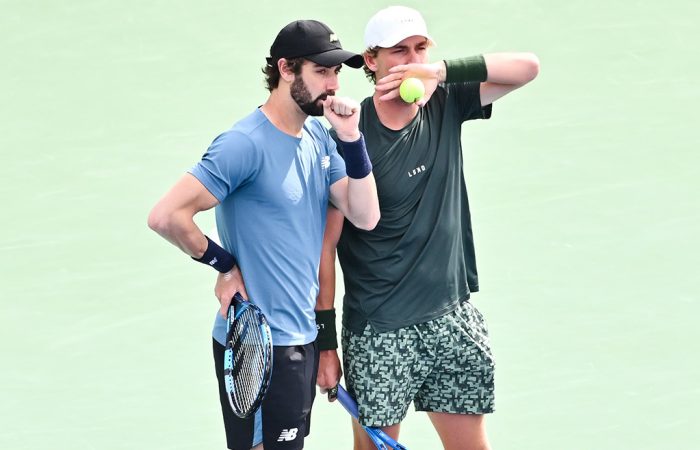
[302,97]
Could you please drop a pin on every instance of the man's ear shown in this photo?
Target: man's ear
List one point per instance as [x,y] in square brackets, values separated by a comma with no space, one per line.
[370,61]
[286,72]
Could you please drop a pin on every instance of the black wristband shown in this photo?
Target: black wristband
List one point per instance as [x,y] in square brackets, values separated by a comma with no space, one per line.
[325,324]
[471,68]
[357,163]
[217,257]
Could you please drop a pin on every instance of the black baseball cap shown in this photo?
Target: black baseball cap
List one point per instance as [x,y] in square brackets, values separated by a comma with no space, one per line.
[312,40]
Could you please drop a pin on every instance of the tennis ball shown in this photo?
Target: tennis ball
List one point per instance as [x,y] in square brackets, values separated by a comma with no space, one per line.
[411,90]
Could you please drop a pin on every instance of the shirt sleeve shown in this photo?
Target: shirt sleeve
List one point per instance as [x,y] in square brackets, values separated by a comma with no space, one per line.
[468,100]
[230,161]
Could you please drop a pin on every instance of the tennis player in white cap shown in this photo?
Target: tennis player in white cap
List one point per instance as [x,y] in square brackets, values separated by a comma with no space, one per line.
[410,332]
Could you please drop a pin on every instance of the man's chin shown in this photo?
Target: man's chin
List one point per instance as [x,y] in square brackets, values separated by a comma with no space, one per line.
[313,109]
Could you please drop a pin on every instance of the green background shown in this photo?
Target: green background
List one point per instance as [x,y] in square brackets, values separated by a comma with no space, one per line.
[584,190]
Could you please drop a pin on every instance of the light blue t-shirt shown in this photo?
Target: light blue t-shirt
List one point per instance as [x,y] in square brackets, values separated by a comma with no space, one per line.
[273,191]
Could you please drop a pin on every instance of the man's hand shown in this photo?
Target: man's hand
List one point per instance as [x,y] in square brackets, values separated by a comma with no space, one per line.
[227,284]
[329,371]
[430,74]
[344,116]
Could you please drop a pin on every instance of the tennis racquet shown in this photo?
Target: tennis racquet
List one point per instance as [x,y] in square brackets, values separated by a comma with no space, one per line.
[381,440]
[248,356]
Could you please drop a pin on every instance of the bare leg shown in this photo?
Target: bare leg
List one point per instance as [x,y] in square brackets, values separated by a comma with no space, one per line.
[363,442]
[461,431]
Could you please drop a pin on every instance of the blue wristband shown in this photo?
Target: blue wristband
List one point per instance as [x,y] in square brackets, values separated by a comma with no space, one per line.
[357,163]
[217,257]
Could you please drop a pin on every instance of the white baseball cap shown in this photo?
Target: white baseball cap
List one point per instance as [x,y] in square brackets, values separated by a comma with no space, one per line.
[392,25]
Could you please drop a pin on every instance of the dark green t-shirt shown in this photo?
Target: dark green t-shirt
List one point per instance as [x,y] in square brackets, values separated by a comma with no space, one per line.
[418,263]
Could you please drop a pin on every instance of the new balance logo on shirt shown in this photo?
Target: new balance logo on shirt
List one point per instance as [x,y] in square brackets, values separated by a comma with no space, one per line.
[288,434]
[213,261]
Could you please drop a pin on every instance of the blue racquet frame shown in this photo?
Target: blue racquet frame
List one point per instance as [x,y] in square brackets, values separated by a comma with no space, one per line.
[381,440]
[239,305]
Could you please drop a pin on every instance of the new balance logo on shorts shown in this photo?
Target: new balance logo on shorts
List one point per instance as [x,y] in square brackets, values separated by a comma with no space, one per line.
[288,434]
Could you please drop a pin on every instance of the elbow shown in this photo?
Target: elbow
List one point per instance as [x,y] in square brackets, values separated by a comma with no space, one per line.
[374,221]
[369,222]
[158,221]
[531,65]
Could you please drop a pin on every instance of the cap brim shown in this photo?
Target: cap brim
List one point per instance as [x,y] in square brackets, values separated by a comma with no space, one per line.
[337,57]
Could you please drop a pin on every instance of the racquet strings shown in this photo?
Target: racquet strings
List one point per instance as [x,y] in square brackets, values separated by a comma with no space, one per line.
[250,360]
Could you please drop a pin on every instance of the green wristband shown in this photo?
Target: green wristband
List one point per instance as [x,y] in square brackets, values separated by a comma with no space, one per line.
[471,68]
[325,324]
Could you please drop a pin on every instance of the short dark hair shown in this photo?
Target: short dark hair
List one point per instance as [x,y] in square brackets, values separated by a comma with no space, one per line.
[272,72]
[371,76]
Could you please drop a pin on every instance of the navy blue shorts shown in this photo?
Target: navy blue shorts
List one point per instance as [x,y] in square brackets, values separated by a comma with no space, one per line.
[284,419]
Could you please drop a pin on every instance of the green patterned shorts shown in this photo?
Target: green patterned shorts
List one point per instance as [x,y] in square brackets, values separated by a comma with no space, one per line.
[444,365]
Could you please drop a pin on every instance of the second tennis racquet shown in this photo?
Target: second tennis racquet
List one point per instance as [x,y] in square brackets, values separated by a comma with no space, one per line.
[381,440]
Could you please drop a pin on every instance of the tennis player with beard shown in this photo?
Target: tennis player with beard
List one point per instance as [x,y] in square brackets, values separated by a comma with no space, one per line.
[271,177]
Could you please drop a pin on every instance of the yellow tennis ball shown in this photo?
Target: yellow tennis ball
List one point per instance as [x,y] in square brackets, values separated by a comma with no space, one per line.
[411,90]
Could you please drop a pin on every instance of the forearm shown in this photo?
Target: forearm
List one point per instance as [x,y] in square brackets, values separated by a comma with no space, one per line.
[362,202]
[325,313]
[511,68]
[179,229]
[357,200]
[356,195]
[326,281]
[501,68]
[190,239]
[498,73]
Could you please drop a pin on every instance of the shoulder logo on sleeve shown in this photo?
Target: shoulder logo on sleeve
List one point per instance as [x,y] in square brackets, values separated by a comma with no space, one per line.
[325,162]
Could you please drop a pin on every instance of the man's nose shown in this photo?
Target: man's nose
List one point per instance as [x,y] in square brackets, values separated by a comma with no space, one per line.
[413,57]
[333,83]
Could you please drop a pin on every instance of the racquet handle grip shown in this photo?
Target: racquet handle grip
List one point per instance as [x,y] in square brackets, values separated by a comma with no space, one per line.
[347,402]
[379,437]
